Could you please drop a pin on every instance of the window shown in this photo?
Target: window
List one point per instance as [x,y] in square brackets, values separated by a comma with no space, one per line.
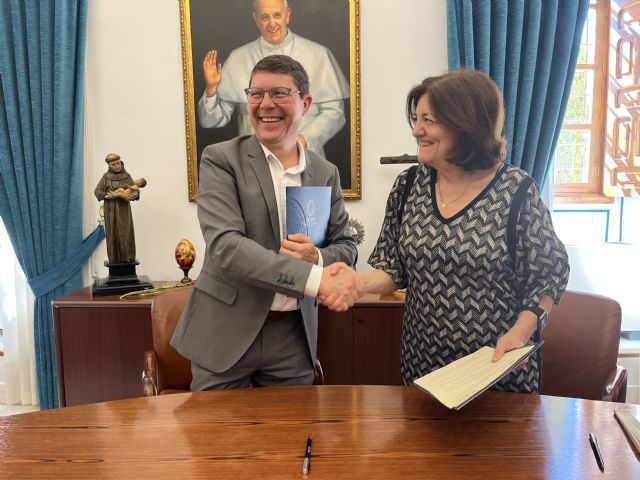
[580,151]
[597,155]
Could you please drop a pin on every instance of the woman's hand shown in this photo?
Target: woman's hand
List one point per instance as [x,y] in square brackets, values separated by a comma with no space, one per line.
[510,341]
[519,334]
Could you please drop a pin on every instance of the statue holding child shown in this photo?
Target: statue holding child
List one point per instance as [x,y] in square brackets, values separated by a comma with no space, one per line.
[117,188]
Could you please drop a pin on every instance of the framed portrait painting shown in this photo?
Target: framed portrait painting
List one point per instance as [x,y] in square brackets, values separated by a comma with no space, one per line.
[323,35]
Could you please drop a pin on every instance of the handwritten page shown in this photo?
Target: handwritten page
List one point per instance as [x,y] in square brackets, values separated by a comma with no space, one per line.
[458,383]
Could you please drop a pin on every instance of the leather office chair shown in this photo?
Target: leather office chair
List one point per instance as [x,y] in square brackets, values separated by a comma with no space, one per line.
[165,370]
[580,349]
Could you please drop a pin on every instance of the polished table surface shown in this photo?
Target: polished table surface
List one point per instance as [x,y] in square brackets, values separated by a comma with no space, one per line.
[370,432]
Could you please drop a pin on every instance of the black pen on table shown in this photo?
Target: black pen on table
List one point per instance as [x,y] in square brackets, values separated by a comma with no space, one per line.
[596,450]
[307,457]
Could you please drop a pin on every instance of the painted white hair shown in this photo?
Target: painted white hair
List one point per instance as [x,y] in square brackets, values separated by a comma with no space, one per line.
[255,5]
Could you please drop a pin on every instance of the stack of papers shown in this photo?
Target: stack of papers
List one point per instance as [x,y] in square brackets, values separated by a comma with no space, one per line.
[461,381]
[630,425]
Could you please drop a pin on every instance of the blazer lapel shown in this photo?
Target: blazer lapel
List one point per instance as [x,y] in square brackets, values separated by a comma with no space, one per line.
[307,176]
[261,168]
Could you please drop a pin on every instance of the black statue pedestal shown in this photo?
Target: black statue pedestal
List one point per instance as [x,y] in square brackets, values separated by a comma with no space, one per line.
[122,279]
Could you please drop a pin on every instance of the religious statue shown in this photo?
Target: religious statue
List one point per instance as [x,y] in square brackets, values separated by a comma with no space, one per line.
[117,188]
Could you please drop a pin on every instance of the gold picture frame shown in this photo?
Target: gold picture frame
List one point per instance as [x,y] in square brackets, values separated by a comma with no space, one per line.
[199,22]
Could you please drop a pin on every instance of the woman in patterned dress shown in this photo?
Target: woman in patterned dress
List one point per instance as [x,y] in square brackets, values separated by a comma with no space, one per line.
[475,247]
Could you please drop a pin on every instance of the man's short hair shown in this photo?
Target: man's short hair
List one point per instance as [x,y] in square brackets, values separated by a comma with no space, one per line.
[286,65]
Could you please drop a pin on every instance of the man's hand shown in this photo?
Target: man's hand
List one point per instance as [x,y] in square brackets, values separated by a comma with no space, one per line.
[340,287]
[300,246]
[212,72]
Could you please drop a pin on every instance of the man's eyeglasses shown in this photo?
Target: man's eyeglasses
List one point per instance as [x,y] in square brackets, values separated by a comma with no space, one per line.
[277,94]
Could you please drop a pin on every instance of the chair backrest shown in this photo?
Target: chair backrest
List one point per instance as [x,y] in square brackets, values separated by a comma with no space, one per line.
[174,371]
[581,343]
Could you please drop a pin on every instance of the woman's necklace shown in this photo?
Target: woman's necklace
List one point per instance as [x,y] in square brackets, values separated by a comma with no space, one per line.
[445,202]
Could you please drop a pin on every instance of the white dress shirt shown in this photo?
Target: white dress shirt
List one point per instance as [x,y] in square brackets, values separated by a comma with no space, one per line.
[292,177]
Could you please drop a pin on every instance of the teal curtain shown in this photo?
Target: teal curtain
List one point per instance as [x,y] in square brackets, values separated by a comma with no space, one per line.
[530,48]
[41,137]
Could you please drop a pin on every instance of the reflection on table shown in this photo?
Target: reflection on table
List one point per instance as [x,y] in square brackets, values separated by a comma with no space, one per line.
[368,432]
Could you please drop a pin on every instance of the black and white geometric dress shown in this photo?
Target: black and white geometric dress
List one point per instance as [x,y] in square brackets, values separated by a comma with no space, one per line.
[466,282]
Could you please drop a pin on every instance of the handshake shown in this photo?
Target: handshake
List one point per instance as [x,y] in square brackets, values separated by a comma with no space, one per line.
[340,287]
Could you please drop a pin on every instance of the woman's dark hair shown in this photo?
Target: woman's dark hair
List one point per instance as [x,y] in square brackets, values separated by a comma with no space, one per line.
[469,104]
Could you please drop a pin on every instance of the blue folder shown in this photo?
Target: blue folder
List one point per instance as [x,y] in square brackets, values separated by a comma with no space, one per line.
[308,212]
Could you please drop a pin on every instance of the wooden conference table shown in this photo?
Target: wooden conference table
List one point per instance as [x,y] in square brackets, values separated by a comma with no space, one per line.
[371,432]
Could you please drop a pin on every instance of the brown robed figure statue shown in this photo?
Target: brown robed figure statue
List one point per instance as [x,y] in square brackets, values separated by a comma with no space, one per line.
[117,188]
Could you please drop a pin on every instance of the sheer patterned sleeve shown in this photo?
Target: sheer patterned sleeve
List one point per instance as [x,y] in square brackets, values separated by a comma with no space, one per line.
[386,254]
[542,264]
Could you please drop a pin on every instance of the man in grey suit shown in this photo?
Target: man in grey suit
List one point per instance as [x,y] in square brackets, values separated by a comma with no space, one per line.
[252,317]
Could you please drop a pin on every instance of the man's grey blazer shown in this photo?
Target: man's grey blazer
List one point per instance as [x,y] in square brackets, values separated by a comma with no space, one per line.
[242,268]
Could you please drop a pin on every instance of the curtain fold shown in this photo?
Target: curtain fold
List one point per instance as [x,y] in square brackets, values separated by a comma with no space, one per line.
[530,48]
[41,135]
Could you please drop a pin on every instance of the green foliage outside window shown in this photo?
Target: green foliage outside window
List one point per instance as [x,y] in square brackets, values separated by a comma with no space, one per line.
[572,156]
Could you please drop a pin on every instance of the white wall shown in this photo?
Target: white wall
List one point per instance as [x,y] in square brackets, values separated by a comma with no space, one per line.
[135,108]
[603,242]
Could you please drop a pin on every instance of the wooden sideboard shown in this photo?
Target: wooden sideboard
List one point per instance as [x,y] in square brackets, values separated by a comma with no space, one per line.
[100,343]
[362,345]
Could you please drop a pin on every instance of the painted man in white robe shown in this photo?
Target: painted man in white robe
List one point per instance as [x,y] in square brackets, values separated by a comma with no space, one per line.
[224,90]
